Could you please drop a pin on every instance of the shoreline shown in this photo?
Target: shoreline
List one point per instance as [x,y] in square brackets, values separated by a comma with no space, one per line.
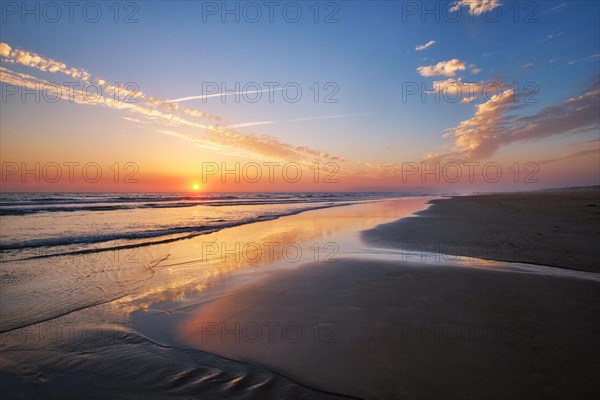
[135,335]
[556,228]
[368,324]
[392,320]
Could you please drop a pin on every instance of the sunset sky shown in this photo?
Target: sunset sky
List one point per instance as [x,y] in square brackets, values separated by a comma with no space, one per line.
[379,84]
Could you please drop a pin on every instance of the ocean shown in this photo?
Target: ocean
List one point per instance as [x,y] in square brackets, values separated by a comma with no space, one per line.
[38,225]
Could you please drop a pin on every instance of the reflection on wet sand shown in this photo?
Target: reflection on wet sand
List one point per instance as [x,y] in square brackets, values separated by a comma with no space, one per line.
[250,251]
[112,316]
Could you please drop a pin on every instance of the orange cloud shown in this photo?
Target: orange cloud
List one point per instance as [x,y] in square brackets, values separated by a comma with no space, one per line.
[34,60]
[226,140]
[476,7]
[493,127]
[443,68]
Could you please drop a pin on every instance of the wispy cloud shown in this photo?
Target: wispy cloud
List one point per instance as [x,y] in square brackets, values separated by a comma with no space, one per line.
[493,127]
[476,7]
[558,7]
[569,155]
[585,143]
[200,114]
[424,46]
[248,124]
[138,121]
[30,59]
[151,109]
[553,35]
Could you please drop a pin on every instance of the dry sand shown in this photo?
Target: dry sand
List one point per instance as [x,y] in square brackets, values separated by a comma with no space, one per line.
[555,227]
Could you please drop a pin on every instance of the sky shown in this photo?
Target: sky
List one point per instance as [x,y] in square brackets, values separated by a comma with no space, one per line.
[448,96]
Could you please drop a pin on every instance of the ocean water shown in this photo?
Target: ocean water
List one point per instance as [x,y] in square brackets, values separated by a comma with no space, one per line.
[38,225]
[65,252]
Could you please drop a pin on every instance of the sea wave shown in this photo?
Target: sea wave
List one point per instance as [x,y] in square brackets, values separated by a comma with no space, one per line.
[125,239]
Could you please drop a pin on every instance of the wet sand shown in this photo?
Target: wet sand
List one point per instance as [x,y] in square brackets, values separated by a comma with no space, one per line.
[380,330]
[105,326]
[375,329]
[356,320]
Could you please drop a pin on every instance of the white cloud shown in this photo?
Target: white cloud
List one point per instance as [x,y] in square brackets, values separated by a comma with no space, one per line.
[424,46]
[452,88]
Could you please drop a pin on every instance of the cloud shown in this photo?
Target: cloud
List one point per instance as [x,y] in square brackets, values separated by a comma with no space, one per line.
[443,68]
[30,59]
[155,110]
[5,50]
[474,69]
[138,121]
[203,142]
[558,7]
[248,124]
[424,46]
[476,7]
[493,126]
[586,143]
[381,170]
[571,154]
[200,114]
[453,89]
[209,95]
[117,91]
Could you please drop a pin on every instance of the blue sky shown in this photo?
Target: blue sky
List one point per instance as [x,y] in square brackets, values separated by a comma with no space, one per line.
[368,54]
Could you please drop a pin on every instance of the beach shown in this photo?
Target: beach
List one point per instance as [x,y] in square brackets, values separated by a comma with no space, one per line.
[391,200]
[374,330]
[382,329]
[551,227]
[325,303]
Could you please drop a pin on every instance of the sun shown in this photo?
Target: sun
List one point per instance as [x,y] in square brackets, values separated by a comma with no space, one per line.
[196,186]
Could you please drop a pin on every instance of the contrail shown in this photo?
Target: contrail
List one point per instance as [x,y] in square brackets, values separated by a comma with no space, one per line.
[205,96]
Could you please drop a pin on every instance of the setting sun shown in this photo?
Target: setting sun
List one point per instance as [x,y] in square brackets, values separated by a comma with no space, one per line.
[196,186]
